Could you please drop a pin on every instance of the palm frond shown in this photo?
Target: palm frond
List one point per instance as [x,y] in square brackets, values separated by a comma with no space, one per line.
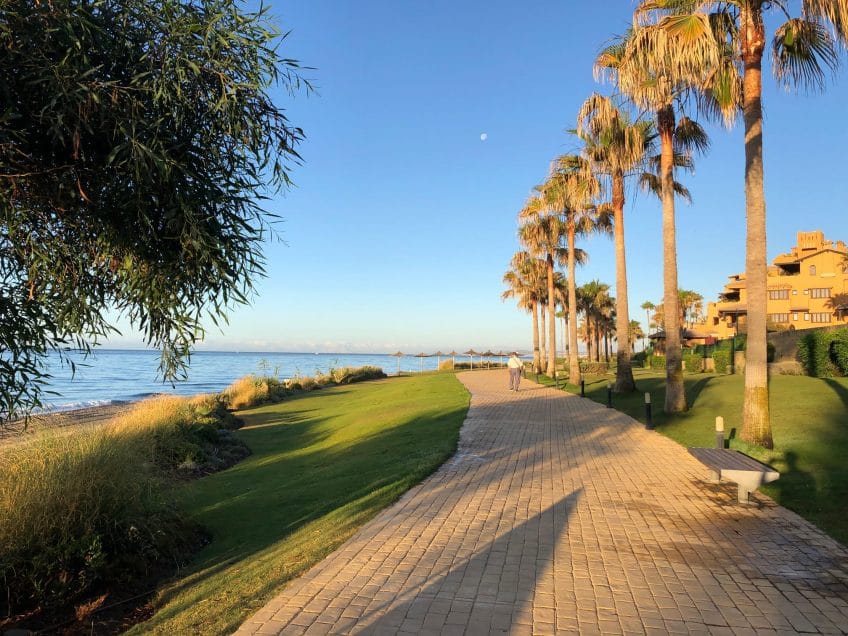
[689,135]
[833,11]
[800,50]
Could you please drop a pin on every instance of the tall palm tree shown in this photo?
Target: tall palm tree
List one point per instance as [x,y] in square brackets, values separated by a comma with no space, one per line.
[570,191]
[524,282]
[691,306]
[543,233]
[616,148]
[802,48]
[597,307]
[660,88]
[635,334]
[648,306]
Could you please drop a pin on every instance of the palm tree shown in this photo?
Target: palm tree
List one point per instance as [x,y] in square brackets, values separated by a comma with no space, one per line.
[616,148]
[659,87]
[524,282]
[635,334]
[597,306]
[569,191]
[801,49]
[648,306]
[542,234]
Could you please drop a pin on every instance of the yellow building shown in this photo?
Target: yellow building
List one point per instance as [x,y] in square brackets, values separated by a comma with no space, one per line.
[807,287]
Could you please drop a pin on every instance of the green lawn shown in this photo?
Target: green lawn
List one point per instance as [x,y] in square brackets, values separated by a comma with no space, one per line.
[809,418]
[323,464]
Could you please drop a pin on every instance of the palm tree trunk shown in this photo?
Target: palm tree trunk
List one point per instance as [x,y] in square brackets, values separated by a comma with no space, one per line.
[536,365]
[543,355]
[596,331]
[573,360]
[551,318]
[756,428]
[624,382]
[675,396]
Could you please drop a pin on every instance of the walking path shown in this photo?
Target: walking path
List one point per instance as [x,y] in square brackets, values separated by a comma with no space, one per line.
[559,515]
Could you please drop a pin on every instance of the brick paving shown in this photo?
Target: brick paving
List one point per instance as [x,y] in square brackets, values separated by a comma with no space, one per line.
[557,515]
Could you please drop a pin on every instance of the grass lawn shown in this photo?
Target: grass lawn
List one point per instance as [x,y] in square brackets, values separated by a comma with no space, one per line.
[323,464]
[809,418]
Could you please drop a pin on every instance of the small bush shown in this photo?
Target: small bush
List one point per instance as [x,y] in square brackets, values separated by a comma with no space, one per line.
[693,362]
[594,368]
[639,358]
[814,353]
[446,365]
[657,362]
[246,392]
[721,360]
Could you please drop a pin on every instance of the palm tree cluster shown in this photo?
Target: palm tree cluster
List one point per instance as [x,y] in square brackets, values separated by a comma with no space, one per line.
[679,59]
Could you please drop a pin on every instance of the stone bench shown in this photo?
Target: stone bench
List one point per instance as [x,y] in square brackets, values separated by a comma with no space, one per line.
[734,466]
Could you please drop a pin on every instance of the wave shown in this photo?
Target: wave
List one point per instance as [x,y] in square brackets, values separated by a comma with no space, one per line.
[75,406]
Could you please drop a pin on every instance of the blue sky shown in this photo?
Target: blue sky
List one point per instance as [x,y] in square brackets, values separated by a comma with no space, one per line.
[403,221]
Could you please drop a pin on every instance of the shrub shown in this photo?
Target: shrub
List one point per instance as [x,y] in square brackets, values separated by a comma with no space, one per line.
[246,392]
[446,365]
[657,362]
[78,509]
[350,375]
[814,353]
[721,359]
[639,358]
[693,361]
[594,368]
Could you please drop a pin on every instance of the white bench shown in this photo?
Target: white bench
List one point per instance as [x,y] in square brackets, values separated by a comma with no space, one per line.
[734,466]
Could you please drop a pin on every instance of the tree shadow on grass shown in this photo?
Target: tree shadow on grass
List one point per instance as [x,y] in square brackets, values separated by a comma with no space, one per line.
[299,474]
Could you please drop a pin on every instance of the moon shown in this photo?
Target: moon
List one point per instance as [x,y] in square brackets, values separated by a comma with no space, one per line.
[484,136]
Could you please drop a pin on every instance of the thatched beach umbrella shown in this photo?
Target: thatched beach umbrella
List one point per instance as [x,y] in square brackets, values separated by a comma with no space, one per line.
[501,355]
[453,355]
[471,353]
[487,355]
[422,355]
[438,355]
[398,355]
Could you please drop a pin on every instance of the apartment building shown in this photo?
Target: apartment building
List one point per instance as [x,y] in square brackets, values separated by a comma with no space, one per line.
[807,287]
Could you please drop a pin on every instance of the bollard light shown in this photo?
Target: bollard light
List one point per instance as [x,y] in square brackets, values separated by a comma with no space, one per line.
[609,396]
[719,432]
[649,422]
[582,388]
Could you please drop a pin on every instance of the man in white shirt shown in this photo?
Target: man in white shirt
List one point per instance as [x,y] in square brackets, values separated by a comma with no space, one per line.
[515,367]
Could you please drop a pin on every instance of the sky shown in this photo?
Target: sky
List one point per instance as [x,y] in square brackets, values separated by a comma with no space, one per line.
[402,221]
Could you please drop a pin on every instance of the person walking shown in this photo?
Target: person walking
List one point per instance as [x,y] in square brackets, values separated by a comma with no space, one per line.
[515,365]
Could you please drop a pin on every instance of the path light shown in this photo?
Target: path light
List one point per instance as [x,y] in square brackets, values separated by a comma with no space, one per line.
[649,422]
[398,355]
[472,353]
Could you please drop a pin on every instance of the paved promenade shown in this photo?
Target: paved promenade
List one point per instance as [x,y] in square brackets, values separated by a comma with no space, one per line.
[558,515]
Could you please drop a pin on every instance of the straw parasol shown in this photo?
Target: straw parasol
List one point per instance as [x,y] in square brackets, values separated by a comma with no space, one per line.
[422,355]
[501,355]
[453,355]
[438,355]
[398,355]
[488,354]
[471,353]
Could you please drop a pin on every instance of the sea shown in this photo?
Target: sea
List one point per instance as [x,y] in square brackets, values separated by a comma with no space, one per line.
[109,376]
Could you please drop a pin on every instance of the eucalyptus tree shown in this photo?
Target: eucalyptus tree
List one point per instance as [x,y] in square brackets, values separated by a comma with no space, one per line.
[525,283]
[570,191]
[803,47]
[661,88]
[139,140]
[616,147]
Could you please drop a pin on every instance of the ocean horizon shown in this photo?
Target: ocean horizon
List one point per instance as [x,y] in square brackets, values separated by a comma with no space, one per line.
[110,376]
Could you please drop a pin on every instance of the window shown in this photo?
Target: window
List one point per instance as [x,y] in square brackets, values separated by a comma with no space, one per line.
[807,317]
[778,318]
[812,270]
[820,292]
[778,294]
[821,317]
[794,316]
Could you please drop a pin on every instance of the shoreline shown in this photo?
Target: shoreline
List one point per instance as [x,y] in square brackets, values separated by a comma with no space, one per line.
[72,418]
